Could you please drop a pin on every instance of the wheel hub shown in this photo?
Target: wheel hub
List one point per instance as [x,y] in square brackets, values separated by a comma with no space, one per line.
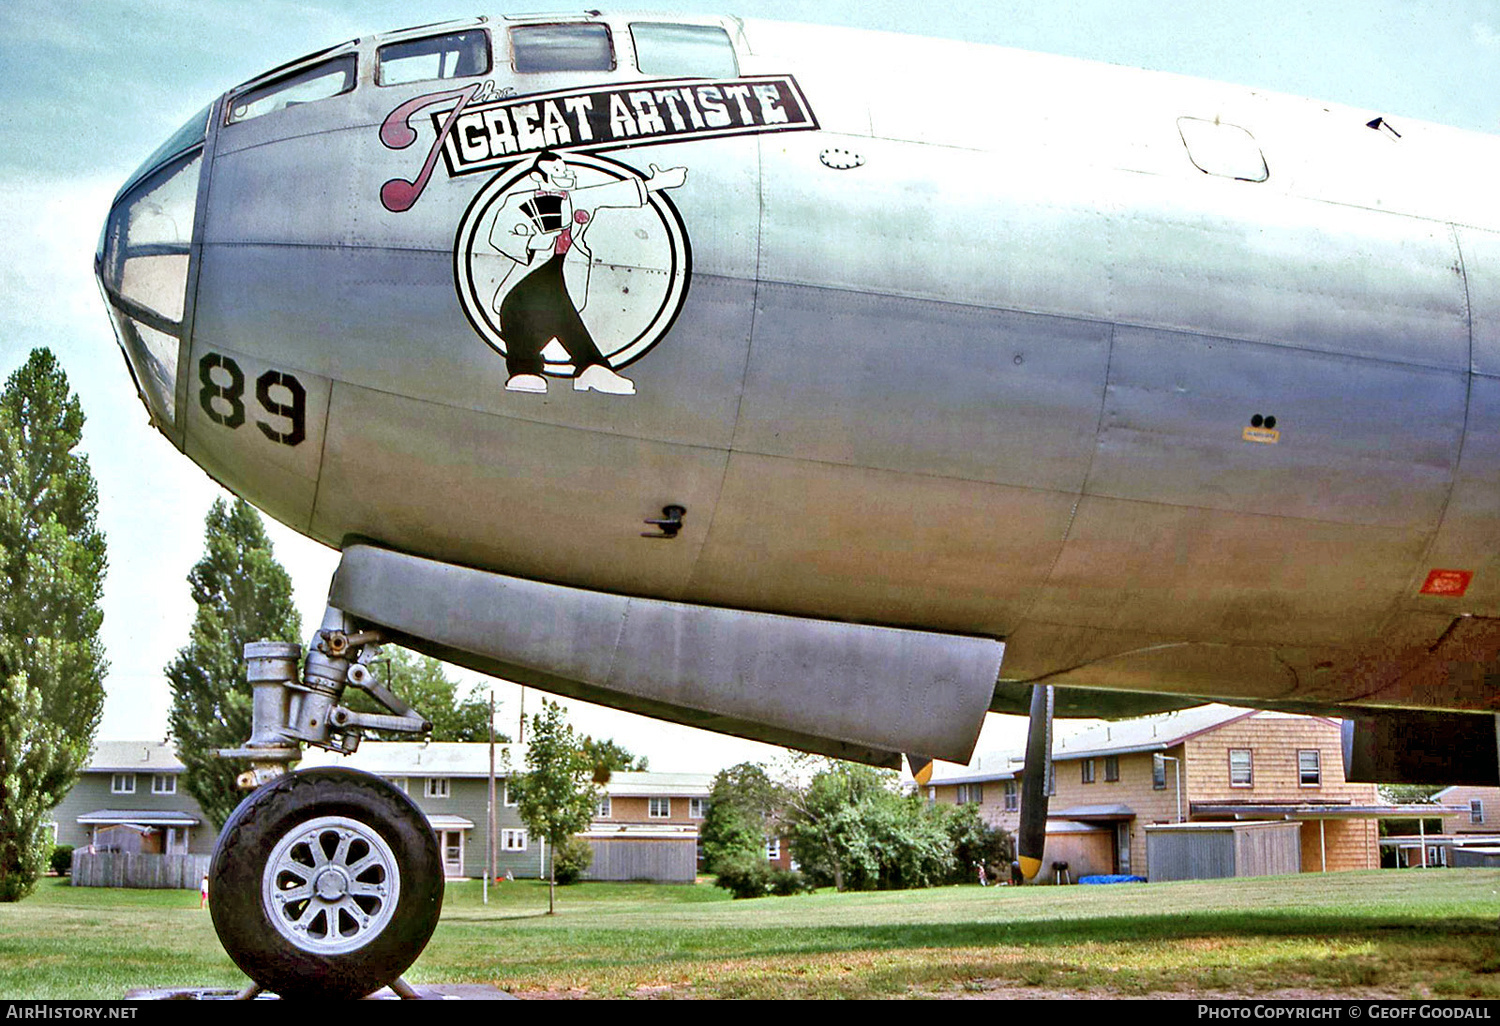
[331,885]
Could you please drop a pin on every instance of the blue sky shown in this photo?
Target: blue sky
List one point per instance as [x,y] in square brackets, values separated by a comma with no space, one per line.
[90,87]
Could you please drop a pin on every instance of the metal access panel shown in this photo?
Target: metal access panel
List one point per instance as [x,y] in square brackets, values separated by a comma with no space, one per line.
[846,690]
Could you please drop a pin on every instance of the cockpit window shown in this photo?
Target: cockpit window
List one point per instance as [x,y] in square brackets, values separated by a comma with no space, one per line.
[185,138]
[456,55]
[698,51]
[143,269]
[575,47]
[318,82]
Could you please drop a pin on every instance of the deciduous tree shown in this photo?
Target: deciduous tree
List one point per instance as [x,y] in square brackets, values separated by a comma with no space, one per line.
[850,827]
[608,757]
[556,798]
[743,804]
[1408,794]
[243,595]
[51,658]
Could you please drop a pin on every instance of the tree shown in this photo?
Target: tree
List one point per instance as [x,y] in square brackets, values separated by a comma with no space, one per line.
[743,805]
[850,828]
[974,843]
[422,682]
[51,658]
[556,798]
[1408,794]
[243,595]
[607,757]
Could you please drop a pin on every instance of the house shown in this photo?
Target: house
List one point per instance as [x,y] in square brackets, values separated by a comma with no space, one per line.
[449,781]
[1482,815]
[1467,817]
[129,798]
[1212,763]
[646,827]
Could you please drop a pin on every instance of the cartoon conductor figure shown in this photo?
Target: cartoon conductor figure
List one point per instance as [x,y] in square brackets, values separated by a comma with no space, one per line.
[542,228]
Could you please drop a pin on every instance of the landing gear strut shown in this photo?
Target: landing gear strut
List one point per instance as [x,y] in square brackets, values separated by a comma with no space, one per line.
[325,882]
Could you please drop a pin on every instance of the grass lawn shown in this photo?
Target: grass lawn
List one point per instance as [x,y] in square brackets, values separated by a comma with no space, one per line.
[1383,933]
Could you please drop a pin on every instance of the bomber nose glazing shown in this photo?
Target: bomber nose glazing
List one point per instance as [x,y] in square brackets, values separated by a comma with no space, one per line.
[143,262]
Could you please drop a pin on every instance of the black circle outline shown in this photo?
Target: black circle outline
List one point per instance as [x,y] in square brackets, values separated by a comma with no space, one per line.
[659,198]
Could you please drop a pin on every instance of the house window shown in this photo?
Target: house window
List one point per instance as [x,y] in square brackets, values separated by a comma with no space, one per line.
[970,794]
[1309,767]
[122,783]
[508,798]
[1012,796]
[697,808]
[1111,768]
[512,840]
[1241,768]
[604,809]
[1158,773]
[163,783]
[773,848]
[401,784]
[1476,811]
[1088,771]
[437,787]
[660,808]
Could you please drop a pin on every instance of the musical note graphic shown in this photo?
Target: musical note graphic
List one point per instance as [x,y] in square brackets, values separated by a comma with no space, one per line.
[396,133]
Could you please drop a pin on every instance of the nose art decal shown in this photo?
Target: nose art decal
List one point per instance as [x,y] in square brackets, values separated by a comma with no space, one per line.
[573,266]
[568,263]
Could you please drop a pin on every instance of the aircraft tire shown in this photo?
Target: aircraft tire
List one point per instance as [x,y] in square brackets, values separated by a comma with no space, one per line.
[325,883]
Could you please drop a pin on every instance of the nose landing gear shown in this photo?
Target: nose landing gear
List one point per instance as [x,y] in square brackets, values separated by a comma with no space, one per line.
[325,882]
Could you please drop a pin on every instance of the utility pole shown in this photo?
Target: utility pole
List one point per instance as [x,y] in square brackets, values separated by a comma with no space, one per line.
[489,835]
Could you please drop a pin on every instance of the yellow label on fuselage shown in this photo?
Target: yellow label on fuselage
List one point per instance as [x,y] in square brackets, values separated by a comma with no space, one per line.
[1265,436]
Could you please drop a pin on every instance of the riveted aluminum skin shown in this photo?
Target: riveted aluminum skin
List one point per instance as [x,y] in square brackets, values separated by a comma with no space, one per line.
[1024,371]
[845,690]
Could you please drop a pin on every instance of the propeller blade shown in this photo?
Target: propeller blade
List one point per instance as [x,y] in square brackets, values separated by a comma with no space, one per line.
[921,768]
[1032,838]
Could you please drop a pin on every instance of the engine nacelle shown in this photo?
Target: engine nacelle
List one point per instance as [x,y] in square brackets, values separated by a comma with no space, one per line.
[1407,747]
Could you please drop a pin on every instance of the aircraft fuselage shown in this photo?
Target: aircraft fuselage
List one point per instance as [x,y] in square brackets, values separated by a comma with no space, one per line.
[1172,386]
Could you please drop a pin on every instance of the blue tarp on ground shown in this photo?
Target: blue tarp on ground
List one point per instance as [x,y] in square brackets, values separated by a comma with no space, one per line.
[1107,879]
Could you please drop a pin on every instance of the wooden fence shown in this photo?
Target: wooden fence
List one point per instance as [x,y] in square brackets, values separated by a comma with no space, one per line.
[127,869]
[662,861]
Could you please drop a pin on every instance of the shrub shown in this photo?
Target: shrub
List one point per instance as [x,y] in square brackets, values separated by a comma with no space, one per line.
[745,876]
[61,862]
[975,842]
[788,881]
[571,858]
